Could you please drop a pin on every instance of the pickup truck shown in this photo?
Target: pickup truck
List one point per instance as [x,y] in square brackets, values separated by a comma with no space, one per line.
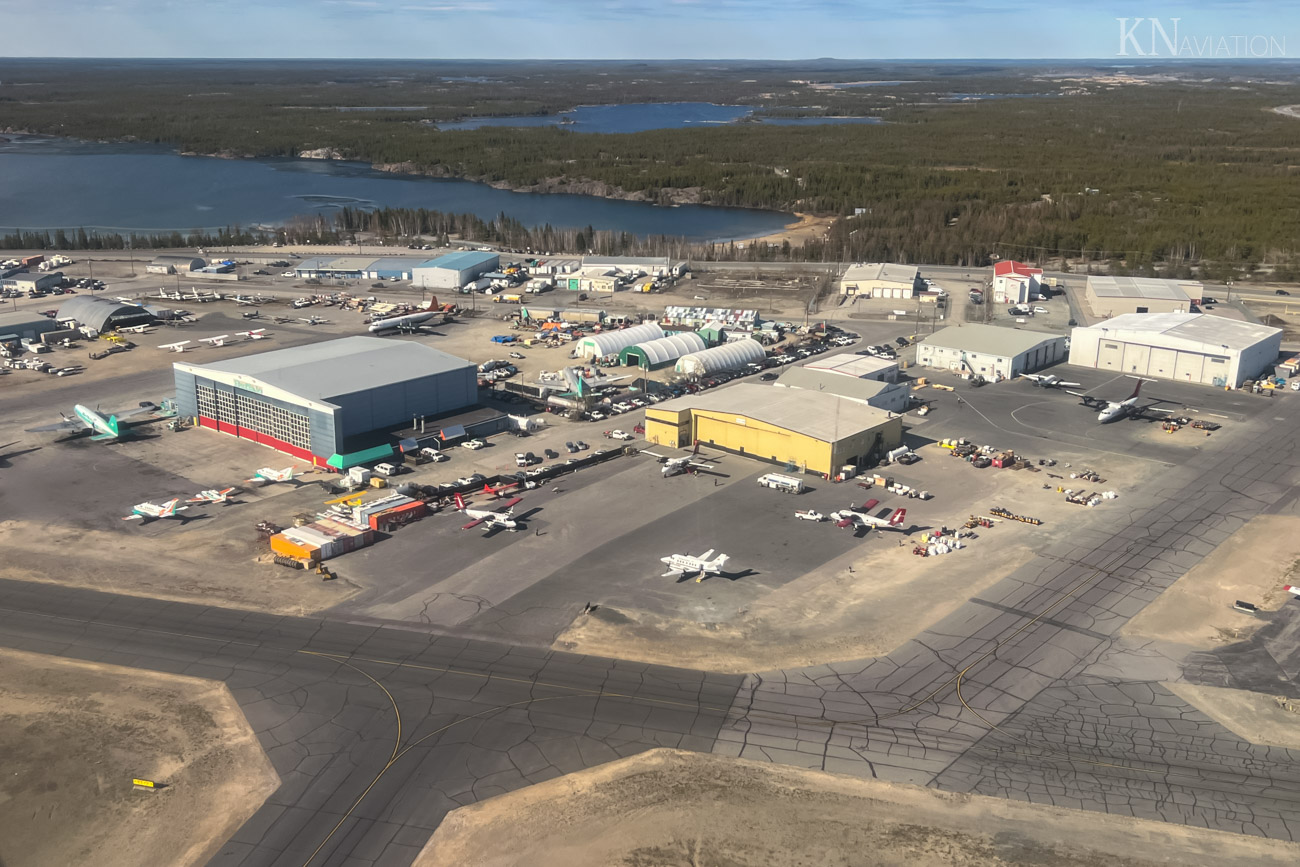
[809,515]
[620,435]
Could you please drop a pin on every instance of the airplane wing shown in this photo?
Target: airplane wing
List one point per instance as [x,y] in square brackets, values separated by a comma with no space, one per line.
[69,424]
[129,413]
[673,573]
[653,454]
[472,524]
[700,466]
[134,518]
[510,504]
[1069,385]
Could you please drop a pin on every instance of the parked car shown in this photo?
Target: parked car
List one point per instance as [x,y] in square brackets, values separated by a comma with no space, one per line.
[1280,292]
[620,435]
[768,377]
[473,445]
[432,454]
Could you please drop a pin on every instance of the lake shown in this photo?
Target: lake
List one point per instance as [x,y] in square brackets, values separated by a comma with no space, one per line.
[644,116]
[56,183]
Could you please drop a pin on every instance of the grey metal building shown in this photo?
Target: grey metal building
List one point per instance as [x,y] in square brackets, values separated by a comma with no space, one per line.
[22,325]
[453,270]
[173,263]
[103,314]
[38,282]
[989,350]
[325,399]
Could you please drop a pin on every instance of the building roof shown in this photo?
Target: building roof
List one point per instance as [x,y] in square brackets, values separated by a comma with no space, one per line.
[611,342]
[1012,268]
[668,348]
[176,259]
[19,320]
[1145,287]
[828,382]
[393,263]
[728,356]
[812,413]
[1196,331]
[848,364]
[883,272]
[95,312]
[988,339]
[319,371]
[462,261]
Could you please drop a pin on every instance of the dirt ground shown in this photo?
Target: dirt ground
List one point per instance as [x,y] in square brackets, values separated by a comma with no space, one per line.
[808,228]
[723,812]
[74,734]
[1252,716]
[1253,564]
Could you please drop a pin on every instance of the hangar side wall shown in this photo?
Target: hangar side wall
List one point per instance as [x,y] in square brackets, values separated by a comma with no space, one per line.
[396,404]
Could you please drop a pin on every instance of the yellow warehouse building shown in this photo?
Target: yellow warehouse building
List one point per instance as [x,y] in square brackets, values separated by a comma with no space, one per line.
[816,432]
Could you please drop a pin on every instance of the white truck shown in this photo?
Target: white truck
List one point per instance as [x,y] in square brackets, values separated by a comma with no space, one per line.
[784,484]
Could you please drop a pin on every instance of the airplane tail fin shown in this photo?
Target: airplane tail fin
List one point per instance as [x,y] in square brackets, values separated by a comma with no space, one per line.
[696,452]
[169,508]
[460,503]
[112,425]
[721,561]
[896,519]
[1137,389]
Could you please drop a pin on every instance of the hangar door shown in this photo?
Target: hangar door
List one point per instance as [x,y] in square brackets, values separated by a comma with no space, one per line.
[1163,363]
[1190,367]
[1110,356]
[1137,358]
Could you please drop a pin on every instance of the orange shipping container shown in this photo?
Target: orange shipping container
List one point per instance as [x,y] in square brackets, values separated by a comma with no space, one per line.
[286,547]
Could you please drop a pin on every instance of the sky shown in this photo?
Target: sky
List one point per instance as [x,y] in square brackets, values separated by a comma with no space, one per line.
[651,29]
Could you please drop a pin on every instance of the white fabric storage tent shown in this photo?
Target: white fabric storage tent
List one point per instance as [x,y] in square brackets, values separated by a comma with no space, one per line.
[612,342]
[656,353]
[728,356]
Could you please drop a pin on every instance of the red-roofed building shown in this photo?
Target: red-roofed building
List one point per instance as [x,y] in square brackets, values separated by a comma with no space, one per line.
[1015,282]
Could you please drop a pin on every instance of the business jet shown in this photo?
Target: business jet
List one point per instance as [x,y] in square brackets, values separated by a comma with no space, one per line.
[680,565]
[1111,410]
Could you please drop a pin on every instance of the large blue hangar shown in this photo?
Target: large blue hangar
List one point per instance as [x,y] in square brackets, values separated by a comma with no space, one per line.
[327,401]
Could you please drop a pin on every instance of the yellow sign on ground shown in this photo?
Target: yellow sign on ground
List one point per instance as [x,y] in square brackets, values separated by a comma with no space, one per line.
[147,784]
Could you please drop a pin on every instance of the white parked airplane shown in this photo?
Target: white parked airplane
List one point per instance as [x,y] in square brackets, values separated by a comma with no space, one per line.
[175,347]
[266,475]
[1049,380]
[243,300]
[497,518]
[313,320]
[136,329]
[219,340]
[202,297]
[676,466]
[170,296]
[1112,410]
[862,519]
[702,566]
[255,334]
[212,496]
[152,511]
[92,420]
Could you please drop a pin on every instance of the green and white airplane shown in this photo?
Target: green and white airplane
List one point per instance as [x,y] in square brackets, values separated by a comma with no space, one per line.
[87,419]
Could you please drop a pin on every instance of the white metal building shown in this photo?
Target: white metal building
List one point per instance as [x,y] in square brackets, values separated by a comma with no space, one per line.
[1015,282]
[654,354]
[1114,296]
[614,342]
[858,366]
[880,280]
[889,396]
[990,350]
[728,356]
[1187,347]
[453,270]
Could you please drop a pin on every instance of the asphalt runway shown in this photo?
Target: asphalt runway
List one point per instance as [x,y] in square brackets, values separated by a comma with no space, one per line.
[376,733]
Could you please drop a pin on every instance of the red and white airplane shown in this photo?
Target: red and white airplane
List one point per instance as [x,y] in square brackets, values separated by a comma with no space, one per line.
[152,511]
[862,519]
[212,496]
[266,476]
[1292,589]
[255,334]
[498,518]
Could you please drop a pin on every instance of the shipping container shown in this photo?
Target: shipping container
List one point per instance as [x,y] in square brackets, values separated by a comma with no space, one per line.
[29,261]
[398,515]
[288,547]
